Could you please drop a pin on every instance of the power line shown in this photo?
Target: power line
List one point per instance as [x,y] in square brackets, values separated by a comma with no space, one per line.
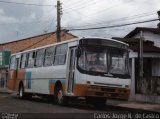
[113,26]
[36,43]
[71,2]
[75,3]
[119,19]
[81,5]
[44,29]
[25,22]
[49,27]
[99,12]
[18,3]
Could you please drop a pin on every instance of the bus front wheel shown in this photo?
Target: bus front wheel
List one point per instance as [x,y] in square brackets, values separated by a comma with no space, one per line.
[59,97]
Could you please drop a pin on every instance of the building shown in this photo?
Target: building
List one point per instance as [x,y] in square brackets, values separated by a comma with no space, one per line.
[34,42]
[25,44]
[4,63]
[146,89]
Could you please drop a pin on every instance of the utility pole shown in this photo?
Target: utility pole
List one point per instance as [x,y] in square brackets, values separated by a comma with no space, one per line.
[141,56]
[59,13]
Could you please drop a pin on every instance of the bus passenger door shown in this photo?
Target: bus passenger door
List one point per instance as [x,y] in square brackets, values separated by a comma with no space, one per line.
[71,70]
[14,75]
[17,65]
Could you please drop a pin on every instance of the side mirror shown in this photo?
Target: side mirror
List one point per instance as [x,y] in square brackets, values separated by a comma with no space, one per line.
[78,52]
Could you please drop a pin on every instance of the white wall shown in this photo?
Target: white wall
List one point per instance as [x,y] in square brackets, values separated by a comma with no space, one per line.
[151,37]
[156,67]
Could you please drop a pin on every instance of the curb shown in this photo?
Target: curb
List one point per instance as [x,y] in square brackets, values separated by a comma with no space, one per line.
[5,91]
[134,109]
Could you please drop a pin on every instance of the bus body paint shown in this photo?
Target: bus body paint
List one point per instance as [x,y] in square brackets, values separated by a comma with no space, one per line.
[12,80]
[28,76]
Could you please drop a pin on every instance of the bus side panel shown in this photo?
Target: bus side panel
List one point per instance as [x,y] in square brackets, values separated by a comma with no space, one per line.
[20,77]
[80,86]
[11,84]
[51,87]
[43,79]
[21,74]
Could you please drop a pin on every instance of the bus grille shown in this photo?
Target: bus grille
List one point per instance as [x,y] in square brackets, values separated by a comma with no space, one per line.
[108,89]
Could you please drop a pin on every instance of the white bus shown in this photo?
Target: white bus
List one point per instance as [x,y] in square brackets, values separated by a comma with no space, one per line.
[93,68]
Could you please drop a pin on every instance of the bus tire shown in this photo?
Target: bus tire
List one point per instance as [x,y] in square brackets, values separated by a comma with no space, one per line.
[59,98]
[21,94]
[99,102]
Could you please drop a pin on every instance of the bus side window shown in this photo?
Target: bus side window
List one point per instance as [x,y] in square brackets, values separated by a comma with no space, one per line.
[13,62]
[27,57]
[49,56]
[39,58]
[60,54]
[23,60]
[31,58]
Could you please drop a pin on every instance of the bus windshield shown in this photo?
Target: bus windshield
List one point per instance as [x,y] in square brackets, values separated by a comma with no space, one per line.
[104,60]
[118,61]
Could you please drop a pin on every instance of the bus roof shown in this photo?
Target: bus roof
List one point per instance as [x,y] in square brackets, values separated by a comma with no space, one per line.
[63,42]
[68,41]
[105,39]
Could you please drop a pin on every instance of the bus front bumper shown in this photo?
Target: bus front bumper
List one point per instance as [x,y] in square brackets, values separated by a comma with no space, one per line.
[108,92]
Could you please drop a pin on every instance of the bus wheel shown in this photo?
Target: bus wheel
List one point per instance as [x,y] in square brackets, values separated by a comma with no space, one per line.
[59,97]
[21,91]
[96,101]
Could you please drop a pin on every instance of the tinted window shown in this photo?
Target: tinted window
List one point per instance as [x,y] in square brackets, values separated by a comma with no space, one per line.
[23,60]
[60,55]
[39,58]
[31,59]
[49,56]
[118,63]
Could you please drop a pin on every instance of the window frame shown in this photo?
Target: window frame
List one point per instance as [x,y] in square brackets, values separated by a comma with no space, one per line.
[60,52]
[51,56]
[30,64]
[22,60]
[39,58]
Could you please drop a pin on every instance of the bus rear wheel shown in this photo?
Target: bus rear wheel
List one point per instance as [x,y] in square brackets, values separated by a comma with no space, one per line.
[21,92]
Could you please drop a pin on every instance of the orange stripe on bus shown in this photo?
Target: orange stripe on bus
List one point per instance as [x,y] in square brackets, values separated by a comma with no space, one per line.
[80,89]
[21,74]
